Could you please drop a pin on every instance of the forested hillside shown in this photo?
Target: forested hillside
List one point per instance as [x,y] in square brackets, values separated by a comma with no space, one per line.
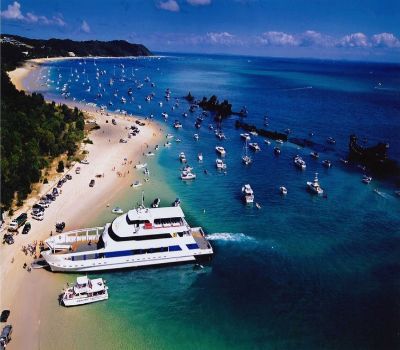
[32,132]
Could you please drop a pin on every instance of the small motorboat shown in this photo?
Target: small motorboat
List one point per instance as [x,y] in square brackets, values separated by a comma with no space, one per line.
[314,155]
[258,206]
[196,137]
[177,202]
[283,190]
[299,162]
[331,140]
[187,175]
[327,163]
[277,151]
[245,136]
[254,146]
[279,141]
[220,150]
[117,210]
[366,179]
[140,165]
[156,203]
[248,194]
[200,157]
[220,164]
[267,142]
[84,291]
[136,184]
[314,186]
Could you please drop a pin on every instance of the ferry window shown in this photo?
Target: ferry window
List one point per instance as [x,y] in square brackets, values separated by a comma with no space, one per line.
[174,248]
[192,246]
[118,253]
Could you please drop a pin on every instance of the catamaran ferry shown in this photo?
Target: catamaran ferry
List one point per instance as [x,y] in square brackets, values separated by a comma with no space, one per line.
[141,237]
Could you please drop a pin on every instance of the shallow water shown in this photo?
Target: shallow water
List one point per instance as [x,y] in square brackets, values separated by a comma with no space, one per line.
[302,272]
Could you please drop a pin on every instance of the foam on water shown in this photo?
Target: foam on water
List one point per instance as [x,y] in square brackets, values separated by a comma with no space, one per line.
[230,237]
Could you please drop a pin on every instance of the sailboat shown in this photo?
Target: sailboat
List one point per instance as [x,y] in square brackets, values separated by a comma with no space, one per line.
[246,158]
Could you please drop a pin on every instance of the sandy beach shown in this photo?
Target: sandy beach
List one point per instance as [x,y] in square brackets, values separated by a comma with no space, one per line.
[111,164]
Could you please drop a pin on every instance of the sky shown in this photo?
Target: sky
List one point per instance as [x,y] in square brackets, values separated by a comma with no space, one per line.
[335,29]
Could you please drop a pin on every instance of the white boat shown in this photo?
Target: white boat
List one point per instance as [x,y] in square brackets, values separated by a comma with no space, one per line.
[167,144]
[299,162]
[283,190]
[331,140]
[182,157]
[169,136]
[220,135]
[177,124]
[366,179]
[141,237]
[136,184]
[220,164]
[254,146]
[279,141]
[314,186]
[117,210]
[177,202]
[150,154]
[246,158]
[85,291]
[196,137]
[245,136]
[187,175]
[200,157]
[220,150]
[156,203]
[314,154]
[267,142]
[254,133]
[277,151]
[248,194]
[327,163]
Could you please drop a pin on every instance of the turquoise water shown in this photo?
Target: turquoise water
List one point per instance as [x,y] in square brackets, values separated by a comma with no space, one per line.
[300,273]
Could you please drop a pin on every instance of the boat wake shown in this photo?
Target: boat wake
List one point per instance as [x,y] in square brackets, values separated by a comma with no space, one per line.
[299,88]
[230,237]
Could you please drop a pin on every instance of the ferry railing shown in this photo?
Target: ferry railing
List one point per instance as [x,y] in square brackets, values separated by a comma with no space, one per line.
[80,235]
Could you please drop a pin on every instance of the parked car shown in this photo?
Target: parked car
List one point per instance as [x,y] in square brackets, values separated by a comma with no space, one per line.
[26,228]
[92,182]
[68,177]
[8,238]
[37,208]
[38,216]
[44,203]
[5,336]
[59,184]
[4,315]
[50,197]
[84,161]
[78,170]
[18,222]
[55,192]
[60,227]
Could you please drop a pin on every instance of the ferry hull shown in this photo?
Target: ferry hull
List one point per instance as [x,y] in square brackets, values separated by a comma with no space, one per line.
[128,263]
[83,301]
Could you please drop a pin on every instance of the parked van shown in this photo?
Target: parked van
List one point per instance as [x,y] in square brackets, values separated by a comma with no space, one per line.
[18,222]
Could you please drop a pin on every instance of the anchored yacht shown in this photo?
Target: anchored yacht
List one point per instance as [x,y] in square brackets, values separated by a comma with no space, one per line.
[248,194]
[141,237]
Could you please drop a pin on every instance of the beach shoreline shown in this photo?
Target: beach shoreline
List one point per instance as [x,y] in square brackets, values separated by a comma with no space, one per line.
[112,168]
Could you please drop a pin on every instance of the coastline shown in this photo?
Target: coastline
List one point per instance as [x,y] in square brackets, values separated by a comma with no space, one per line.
[78,206]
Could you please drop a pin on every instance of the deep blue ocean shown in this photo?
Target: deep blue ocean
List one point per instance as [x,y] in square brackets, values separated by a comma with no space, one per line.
[302,272]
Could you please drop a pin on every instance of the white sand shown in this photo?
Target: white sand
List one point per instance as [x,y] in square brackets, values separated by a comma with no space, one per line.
[78,204]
